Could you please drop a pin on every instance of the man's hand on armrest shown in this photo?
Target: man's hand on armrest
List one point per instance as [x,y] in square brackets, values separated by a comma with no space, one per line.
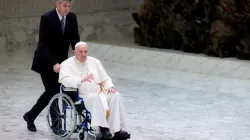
[111,90]
[108,86]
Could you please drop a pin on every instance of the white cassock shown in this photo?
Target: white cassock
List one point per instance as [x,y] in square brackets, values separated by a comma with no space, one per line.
[106,108]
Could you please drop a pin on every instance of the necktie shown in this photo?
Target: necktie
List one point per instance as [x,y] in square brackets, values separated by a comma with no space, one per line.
[63,24]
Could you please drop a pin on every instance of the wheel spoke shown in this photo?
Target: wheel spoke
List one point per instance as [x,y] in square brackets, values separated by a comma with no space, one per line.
[62,109]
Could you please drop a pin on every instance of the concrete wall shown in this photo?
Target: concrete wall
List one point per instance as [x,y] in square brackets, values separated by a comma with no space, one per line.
[98,20]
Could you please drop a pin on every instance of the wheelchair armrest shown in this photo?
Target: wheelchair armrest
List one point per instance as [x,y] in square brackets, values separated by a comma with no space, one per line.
[69,89]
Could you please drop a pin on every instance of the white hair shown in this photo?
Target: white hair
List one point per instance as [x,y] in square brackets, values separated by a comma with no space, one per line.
[80,43]
[64,0]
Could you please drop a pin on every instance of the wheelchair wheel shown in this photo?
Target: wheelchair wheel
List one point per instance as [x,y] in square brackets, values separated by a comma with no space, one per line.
[61,116]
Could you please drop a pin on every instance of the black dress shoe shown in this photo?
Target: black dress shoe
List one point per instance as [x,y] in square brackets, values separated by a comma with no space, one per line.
[106,135]
[30,124]
[121,135]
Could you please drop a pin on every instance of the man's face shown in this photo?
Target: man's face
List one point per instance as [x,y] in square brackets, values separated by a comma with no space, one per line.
[63,7]
[81,53]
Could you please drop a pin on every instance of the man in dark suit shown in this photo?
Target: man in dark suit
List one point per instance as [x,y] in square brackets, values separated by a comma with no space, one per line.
[58,30]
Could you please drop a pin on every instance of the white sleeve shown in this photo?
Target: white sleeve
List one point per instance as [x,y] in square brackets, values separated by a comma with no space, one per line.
[67,78]
[105,80]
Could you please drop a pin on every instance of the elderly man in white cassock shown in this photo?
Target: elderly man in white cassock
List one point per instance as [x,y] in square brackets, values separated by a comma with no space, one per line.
[97,90]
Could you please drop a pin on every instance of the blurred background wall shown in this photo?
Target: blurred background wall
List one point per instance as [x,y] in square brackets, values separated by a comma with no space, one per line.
[98,20]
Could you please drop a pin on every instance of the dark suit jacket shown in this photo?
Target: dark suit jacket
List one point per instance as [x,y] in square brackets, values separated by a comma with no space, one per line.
[53,45]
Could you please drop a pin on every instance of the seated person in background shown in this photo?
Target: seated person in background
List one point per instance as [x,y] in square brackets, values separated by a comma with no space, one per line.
[96,88]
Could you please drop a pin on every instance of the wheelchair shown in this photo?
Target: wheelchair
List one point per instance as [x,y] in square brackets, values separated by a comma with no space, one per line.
[65,104]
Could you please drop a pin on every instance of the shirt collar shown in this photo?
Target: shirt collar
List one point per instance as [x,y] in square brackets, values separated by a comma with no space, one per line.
[60,16]
[77,61]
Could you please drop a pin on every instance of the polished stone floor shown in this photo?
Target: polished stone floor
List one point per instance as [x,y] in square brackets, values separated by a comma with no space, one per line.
[174,106]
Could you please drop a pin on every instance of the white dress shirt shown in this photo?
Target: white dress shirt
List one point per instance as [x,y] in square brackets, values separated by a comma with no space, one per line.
[60,17]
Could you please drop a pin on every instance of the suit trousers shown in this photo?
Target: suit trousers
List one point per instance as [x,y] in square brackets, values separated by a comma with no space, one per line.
[52,87]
